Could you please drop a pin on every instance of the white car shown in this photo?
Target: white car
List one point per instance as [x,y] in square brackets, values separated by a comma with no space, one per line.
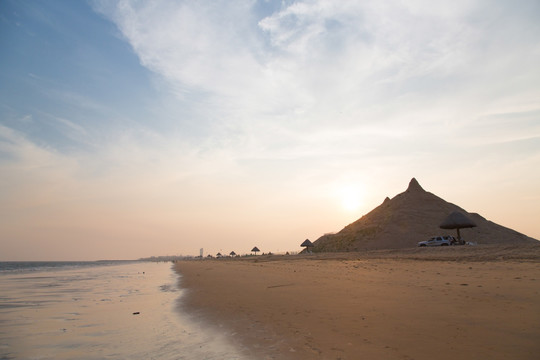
[438,241]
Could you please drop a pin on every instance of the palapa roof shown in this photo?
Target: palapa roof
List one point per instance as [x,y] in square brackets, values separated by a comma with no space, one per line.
[307,243]
[255,249]
[457,220]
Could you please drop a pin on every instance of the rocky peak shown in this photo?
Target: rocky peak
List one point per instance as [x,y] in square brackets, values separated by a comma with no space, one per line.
[414,186]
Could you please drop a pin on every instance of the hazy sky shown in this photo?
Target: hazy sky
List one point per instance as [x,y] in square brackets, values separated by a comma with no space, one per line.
[140,128]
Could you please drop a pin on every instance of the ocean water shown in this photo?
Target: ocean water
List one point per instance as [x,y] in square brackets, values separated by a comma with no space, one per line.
[11,267]
[101,310]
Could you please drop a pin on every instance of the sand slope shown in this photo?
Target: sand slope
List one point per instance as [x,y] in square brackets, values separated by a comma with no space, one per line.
[410,217]
[379,306]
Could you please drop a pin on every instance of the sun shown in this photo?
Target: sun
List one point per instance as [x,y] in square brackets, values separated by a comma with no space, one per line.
[351,198]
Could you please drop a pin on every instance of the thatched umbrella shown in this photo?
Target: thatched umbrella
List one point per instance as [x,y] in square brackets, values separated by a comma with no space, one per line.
[232,254]
[457,220]
[307,244]
[255,249]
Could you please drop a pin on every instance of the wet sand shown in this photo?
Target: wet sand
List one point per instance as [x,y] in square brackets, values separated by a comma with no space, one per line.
[456,303]
[104,312]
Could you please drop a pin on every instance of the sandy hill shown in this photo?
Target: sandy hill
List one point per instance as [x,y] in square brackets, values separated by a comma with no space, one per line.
[409,217]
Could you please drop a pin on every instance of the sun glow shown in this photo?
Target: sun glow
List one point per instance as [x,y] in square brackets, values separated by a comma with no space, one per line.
[351,198]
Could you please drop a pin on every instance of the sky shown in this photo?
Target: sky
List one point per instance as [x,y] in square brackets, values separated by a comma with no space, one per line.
[131,129]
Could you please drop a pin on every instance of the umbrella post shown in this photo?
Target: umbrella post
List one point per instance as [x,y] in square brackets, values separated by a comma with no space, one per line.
[459,237]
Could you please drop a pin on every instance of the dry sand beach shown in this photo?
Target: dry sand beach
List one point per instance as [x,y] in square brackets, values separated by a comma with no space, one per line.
[456,303]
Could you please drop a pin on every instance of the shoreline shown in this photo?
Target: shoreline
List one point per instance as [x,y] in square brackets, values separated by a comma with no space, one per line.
[87,312]
[468,303]
[121,311]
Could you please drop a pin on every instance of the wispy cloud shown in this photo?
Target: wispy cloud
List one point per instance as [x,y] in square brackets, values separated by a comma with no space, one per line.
[321,64]
[360,84]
